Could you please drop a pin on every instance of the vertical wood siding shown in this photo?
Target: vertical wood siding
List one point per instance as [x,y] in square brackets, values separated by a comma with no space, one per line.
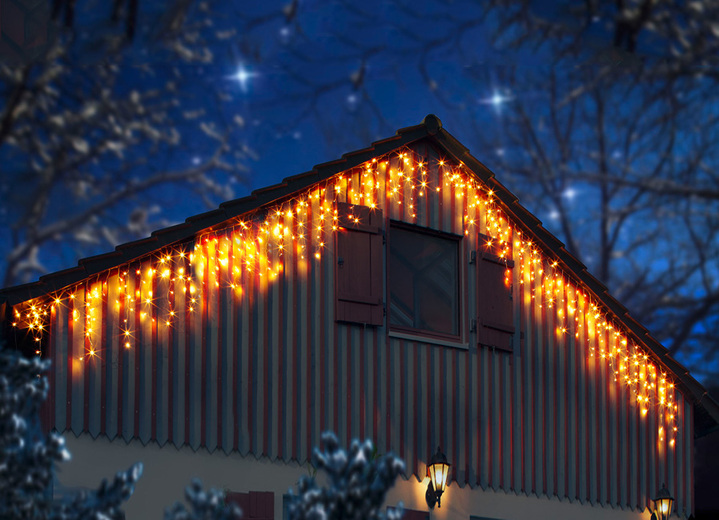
[238,349]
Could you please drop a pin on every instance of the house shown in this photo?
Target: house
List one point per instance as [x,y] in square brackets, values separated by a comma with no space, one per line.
[400,294]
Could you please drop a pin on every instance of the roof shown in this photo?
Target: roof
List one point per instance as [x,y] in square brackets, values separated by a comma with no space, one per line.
[706,408]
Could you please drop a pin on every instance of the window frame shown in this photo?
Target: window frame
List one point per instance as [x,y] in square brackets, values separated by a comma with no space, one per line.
[458,340]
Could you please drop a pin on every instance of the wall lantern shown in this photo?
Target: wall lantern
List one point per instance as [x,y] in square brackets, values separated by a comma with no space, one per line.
[662,504]
[438,470]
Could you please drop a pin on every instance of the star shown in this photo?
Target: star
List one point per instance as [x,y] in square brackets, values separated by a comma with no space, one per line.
[243,77]
[497,99]
[570,193]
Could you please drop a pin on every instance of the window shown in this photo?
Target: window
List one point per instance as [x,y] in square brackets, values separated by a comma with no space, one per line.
[423,281]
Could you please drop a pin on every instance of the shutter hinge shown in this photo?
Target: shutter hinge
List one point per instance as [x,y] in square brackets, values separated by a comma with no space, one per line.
[473,326]
[472,257]
[384,238]
[384,310]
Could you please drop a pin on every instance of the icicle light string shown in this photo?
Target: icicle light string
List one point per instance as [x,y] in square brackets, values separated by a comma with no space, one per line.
[256,245]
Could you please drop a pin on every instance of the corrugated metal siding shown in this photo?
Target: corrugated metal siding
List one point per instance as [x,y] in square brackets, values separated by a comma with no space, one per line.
[238,349]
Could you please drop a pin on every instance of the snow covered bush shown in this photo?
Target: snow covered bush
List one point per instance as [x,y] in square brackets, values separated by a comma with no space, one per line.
[357,484]
[206,505]
[28,457]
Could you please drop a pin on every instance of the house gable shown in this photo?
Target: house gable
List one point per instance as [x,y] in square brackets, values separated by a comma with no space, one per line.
[224,333]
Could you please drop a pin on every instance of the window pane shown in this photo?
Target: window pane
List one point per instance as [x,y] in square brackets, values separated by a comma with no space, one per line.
[423,282]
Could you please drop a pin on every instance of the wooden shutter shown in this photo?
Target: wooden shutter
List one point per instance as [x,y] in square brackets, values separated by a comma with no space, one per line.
[358,280]
[255,505]
[495,309]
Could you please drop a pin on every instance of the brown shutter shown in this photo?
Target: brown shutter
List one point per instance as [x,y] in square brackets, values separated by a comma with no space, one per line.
[358,280]
[495,320]
[255,505]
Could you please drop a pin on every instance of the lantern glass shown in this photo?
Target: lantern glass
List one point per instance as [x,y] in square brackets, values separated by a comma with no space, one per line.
[441,480]
[438,475]
[665,506]
[438,471]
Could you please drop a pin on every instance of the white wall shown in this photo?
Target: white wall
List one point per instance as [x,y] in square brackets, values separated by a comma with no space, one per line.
[167,471]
